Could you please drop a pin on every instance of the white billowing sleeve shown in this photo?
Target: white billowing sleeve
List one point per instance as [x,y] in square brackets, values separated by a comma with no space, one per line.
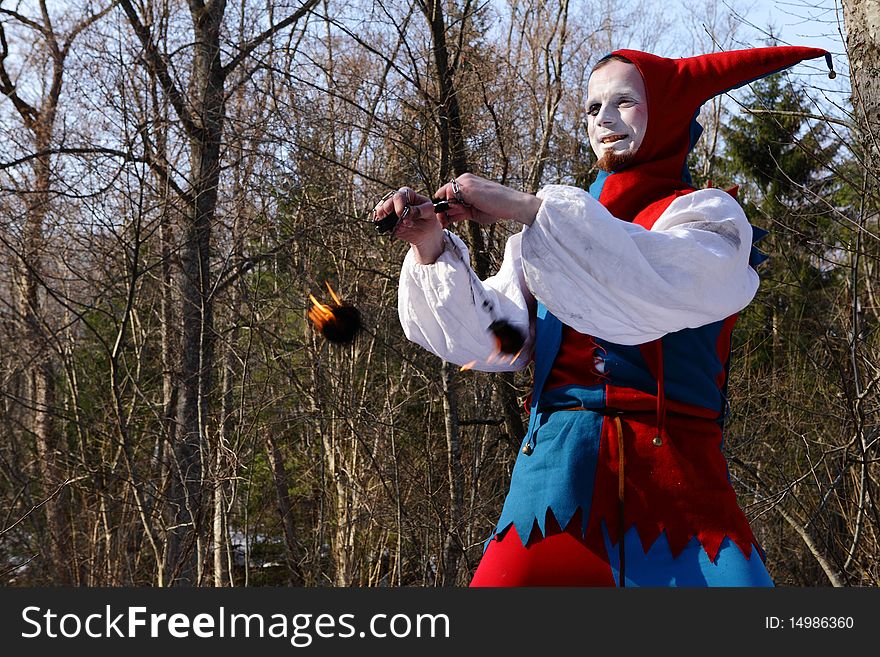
[439,311]
[621,282]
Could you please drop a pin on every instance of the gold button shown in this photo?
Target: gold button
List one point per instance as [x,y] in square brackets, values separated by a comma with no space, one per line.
[527,450]
[657,440]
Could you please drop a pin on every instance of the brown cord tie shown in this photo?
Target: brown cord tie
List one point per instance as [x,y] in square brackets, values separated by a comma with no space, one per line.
[661,395]
[618,427]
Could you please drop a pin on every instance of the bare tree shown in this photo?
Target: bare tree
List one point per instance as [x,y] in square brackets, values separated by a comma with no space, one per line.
[39,118]
[201,111]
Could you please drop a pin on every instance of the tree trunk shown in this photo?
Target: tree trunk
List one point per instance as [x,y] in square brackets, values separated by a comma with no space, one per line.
[553,78]
[862,19]
[510,406]
[41,372]
[220,576]
[453,155]
[452,547]
[201,111]
[285,508]
[197,341]
[40,367]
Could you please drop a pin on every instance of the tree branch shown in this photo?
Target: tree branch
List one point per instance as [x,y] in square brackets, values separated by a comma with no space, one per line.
[254,43]
[24,20]
[803,115]
[160,68]
[28,113]
[128,156]
[79,27]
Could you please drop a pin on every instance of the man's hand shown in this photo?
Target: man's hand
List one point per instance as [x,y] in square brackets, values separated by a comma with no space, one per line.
[486,202]
[419,225]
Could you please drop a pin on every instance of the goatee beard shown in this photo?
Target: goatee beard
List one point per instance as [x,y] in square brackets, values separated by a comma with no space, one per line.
[613,161]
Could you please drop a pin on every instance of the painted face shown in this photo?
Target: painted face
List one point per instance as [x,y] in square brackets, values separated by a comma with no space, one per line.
[617,113]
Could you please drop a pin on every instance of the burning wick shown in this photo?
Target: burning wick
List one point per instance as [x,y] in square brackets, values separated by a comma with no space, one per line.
[508,338]
[339,323]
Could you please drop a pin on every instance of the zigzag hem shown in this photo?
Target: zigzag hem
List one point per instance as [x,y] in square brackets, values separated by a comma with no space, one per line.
[710,541]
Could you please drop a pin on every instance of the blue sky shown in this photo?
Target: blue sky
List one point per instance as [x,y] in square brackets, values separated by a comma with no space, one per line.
[814,23]
[805,22]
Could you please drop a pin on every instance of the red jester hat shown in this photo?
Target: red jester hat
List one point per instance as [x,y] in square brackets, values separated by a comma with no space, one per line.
[676,89]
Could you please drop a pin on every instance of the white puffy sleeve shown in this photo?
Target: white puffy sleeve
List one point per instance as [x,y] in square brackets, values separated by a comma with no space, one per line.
[624,283]
[440,311]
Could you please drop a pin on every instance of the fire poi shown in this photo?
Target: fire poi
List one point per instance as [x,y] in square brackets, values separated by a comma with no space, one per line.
[339,323]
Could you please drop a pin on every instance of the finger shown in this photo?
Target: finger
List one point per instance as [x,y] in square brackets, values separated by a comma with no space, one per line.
[384,206]
[444,192]
[411,213]
[457,212]
[401,199]
[406,194]
[409,196]
[424,209]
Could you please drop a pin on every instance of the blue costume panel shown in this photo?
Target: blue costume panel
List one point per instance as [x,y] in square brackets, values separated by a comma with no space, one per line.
[691,568]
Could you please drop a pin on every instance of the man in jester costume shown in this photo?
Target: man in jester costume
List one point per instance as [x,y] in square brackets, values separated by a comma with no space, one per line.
[628,295]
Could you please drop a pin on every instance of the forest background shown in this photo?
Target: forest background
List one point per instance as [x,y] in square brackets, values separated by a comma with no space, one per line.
[177,178]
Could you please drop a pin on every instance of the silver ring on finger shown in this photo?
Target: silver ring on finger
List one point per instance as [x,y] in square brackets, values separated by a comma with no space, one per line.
[456,192]
[388,195]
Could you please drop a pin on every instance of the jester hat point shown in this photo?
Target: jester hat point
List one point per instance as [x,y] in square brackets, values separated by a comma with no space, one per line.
[676,89]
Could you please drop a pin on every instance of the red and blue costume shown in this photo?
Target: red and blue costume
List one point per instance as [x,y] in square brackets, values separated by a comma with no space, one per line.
[621,479]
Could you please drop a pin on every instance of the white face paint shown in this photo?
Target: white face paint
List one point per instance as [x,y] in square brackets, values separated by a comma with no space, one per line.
[617,113]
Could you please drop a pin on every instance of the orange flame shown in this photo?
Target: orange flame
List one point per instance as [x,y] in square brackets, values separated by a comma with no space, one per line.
[516,355]
[333,294]
[319,313]
[468,366]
